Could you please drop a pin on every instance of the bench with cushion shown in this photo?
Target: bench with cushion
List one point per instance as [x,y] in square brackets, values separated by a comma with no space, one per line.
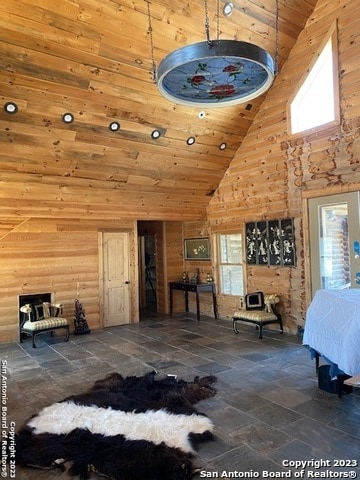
[263,314]
[40,318]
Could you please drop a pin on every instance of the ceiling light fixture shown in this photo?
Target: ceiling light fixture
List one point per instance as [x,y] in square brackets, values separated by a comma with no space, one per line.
[10,107]
[114,126]
[155,134]
[228,9]
[68,117]
[190,140]
[214,73]
[222,146]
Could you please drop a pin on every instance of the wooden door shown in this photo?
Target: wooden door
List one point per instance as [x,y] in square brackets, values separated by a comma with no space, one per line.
[116,281]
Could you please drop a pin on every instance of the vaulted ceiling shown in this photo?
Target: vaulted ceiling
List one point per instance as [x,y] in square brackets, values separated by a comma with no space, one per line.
[93,58]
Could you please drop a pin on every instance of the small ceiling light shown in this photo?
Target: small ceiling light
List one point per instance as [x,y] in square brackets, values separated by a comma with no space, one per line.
[228,9]
[155,134]
[202,114]
[10,107]
[190,140]
[222,146]
[114,126]
[68,117]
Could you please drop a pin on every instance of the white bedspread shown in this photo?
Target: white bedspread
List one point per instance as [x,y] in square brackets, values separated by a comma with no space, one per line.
[332,328]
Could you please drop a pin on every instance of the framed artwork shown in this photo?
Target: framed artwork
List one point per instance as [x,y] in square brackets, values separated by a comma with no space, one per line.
[274,242]
[197,248]
[287,242]
[263,243]
[270,242]
[251,243]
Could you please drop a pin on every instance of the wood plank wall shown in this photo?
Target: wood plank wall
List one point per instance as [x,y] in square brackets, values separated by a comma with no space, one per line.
[59,256]
[268,178]
[272,171]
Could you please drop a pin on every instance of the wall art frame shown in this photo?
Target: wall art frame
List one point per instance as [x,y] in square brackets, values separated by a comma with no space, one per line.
[197,248]
[270,242]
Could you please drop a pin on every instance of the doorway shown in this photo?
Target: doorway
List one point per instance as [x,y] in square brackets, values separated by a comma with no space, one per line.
[147,275]
[115,278]
[334,229]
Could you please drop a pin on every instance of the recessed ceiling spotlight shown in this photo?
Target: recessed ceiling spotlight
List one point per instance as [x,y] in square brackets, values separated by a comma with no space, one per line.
[114,126]
[155,134]
[202,114]
[190,140]
[10,107]
[228,9]
[222,146]
[68,117]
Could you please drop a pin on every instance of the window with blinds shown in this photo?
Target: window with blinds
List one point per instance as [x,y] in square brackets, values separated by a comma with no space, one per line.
[230,264]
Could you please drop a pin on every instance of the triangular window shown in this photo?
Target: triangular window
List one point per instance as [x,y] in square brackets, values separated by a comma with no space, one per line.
[316,102]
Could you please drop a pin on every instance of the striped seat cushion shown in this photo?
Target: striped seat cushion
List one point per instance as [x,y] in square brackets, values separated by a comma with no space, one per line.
[51,322]
[255,315]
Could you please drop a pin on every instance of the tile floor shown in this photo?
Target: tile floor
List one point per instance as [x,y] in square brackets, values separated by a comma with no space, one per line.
[268,408]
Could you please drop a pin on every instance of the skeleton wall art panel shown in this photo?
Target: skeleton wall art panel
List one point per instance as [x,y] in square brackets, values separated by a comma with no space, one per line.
[270,242]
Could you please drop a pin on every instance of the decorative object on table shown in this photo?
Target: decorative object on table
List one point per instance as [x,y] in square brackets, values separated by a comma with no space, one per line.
[270,242]
[196,277]
[185,277]
[197,248]
[209,278]
[81,325]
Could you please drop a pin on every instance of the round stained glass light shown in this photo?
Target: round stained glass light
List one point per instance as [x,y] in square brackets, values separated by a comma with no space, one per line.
[215,74]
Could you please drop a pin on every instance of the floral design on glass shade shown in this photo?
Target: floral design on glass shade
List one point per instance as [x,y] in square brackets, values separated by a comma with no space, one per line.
[216,79]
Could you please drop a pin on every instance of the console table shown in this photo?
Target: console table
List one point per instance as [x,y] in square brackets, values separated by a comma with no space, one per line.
[187,287]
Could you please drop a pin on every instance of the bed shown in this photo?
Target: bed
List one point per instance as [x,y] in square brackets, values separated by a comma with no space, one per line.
[332,329]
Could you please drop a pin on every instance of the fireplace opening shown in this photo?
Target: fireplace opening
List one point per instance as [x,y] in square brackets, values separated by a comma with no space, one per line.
[34,298]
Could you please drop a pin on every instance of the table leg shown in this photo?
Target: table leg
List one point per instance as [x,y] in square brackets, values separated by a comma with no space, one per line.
[197,305]
[171,300]
[186,301]
[214,302]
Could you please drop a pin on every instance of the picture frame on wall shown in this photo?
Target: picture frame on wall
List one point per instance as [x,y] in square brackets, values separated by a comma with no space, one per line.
[270,242]
[251,243]
[197,248]
[288,242]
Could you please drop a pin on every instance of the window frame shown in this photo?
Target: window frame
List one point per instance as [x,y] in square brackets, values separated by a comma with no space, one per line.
[219,263]
[333,35]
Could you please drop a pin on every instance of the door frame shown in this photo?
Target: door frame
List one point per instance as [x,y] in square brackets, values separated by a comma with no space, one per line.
[306,195]
[133,273]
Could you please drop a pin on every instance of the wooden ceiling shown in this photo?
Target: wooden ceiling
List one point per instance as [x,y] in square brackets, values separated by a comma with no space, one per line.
[93,58]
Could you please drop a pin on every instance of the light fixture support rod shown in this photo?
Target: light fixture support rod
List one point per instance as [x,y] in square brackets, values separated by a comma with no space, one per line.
[207,22]
[150,31]
[276,57]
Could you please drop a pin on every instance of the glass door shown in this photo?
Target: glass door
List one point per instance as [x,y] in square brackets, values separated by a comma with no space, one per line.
[334,223]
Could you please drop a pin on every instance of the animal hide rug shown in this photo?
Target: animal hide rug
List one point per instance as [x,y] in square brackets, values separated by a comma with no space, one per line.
[123,428]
